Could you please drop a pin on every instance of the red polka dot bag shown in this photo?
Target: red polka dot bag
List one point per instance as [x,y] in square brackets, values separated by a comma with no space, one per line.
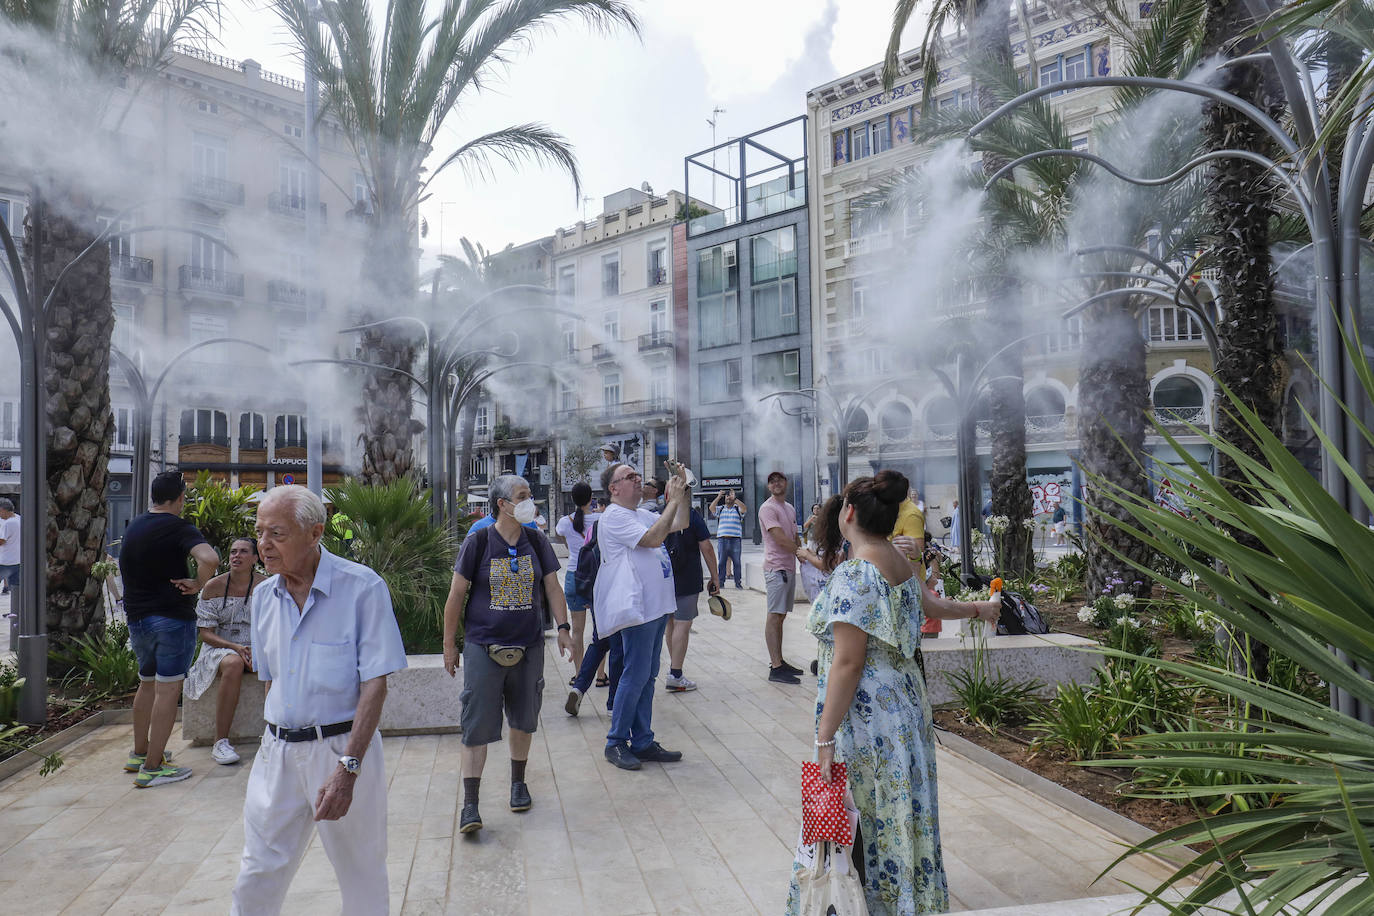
[825,816]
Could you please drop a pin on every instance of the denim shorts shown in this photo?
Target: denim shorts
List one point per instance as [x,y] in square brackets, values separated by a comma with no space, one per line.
[576,602]
[164,646]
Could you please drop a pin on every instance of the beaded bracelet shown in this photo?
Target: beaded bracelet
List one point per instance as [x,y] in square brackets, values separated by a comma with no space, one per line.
[830,743]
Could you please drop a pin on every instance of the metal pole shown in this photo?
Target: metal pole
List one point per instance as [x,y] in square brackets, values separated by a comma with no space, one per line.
[314,466]
[965,450]
[33,584]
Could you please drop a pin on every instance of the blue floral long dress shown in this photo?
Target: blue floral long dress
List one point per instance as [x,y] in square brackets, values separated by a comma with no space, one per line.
[887,740]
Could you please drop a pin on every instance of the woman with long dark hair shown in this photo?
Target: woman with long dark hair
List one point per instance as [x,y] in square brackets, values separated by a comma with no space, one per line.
[872,710]
[576,530]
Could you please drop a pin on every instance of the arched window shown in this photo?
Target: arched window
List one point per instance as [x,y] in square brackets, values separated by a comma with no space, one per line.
[290,431]
[1178,399]
[858,425]
[941,418]
[204,425]
[252,432]
[896,421]
[1044,409]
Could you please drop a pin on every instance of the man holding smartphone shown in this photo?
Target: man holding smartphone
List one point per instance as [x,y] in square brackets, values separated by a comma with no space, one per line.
[778,522]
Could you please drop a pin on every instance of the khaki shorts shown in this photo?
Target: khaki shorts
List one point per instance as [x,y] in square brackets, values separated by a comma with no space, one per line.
[782,590]
[490,689]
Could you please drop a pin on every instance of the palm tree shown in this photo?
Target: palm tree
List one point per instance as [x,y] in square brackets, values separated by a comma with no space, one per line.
[989,49]
[393,97]
[109,43]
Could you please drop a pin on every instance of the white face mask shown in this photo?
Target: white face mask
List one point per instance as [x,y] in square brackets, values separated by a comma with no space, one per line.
[525,511]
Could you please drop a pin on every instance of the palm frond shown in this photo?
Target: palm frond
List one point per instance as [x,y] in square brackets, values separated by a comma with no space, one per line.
[511,145]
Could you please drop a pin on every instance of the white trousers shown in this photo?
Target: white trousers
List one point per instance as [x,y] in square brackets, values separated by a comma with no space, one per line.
[279,815]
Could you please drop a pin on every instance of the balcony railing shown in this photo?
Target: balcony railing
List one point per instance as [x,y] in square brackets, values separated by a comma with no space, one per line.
[601,352]
[217,190]
[656,340]
[205,280]
[623,410]
[292,205]
[658,276]
[861,245]
[285,292]
[1178,416]
[201,439]
[128,267]
[252,444]
[775,203]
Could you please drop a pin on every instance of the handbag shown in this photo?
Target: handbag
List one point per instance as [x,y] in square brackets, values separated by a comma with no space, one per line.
[827,885]
[827,814]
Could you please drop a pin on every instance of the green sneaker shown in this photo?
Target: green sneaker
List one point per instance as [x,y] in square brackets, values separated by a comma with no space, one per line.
[161,776]
[136,760]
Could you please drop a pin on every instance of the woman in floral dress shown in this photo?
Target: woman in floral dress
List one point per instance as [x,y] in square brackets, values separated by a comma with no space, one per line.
[872,711]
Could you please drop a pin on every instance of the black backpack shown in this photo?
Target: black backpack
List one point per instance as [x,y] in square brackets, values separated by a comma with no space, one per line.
[588,565]
[1020,617]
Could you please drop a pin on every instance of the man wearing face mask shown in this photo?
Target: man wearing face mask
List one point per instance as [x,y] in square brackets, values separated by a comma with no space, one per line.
[505,574]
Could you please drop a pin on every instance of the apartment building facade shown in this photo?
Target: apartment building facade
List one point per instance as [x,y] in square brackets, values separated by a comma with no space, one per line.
[865,325]
[748,289]
[221,143]
[616,365]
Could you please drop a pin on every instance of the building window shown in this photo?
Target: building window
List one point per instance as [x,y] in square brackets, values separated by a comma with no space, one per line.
[362,197]
[718,296]
[9,423]
[773,269]
[567,396]
[880,130]
[292,130]
[567,282]
[778,371]
[483,423]
[209,156]
[1051,74]
[123,336]
[207,107]
[858,147]
[720,381]
[291,184]
[290,431]
[480,465]
[201,327]
[658,318]
[207,254]
[610,389]
[1178,399]
[721,447]
[658,264]
[124,427]
[610,275]
[252,431]
[1080,144]
[610,326]
[1168,324]
[1076,66]
[205,426]
[1068,336]
[874,361]
[570,337]
[858,299]
[866,219]
[658,385]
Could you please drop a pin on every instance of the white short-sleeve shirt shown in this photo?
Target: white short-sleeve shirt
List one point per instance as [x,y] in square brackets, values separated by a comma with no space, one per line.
[9,551]
[318,657]
[618,532]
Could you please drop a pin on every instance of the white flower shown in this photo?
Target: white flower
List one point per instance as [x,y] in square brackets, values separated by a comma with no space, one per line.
[1124,602]
[1086,614]
[1029,524]
[1129,623]
[1186,579]
[998,524]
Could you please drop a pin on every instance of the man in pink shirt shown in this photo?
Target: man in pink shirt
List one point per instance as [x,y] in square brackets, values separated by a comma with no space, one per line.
[778,522]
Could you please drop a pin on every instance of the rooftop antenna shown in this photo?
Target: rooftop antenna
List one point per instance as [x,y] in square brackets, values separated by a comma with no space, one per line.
[715,116]
[586,199]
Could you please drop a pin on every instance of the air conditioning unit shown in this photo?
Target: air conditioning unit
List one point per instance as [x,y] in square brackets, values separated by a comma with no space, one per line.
[730,256]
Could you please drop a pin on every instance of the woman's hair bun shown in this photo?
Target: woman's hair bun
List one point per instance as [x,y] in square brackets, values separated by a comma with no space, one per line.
[891,487]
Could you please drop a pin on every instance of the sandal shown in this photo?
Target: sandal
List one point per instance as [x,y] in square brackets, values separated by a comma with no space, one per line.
[572,681]
[603,682]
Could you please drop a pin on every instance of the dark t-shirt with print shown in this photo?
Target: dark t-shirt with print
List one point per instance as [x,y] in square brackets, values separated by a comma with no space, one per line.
[152,554]
[684,550]
[506,599]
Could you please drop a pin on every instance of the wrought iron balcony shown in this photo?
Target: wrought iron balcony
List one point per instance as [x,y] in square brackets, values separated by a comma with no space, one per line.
[602,352]
[658,276]
[285,292]
[292,205]
[216,190]
[624,410]
[199,439]
[259,444]
[205,280]
[128,267]
[656,340]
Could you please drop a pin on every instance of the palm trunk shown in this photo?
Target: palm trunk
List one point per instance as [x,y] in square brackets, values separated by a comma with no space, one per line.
[991,43]
[387,407]
[1240,201]
[76,384]
[1111,433]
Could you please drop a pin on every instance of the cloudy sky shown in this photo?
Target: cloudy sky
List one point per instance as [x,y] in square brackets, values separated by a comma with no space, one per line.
[633,109]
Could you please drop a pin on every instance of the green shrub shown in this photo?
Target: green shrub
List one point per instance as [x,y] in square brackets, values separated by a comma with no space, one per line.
[10,686]
[102,663]
[1126,699]
[221,512]
[993,698]
[393,536]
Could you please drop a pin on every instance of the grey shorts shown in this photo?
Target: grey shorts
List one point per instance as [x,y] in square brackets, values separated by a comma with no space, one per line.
[686,607]
[489,689]
[782,590]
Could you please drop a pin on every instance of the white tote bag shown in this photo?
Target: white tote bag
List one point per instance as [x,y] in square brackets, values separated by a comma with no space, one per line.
[827,882]
[617,600]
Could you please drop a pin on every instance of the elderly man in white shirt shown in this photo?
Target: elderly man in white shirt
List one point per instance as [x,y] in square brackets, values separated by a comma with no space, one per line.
[324,639]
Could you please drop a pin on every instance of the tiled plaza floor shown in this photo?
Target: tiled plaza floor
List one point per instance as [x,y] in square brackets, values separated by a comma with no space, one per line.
[712,834]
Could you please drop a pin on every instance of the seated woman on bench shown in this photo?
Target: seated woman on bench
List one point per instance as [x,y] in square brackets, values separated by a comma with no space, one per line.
[223,616]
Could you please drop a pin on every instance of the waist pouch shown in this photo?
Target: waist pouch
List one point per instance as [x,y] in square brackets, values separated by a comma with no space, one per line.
[506,656]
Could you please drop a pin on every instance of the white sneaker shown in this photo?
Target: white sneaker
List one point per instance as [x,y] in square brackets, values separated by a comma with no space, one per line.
[223,752]
[679,684]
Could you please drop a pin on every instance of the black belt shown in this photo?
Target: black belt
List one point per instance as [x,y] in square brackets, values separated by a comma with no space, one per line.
[310,732]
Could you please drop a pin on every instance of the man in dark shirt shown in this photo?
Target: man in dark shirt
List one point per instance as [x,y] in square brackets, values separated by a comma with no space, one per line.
[503,579]
[686,550]
[160,601]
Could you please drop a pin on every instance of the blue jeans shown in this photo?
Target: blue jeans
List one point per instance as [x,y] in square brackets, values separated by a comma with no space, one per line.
[730,550]
[591,660]
[163,646]
[632,718]
[10,575]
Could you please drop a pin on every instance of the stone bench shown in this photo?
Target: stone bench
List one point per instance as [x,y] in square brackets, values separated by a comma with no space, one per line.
[420,700]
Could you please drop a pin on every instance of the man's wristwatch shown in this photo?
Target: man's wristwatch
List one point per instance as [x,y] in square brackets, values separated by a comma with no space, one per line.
[565,626]
[351,764]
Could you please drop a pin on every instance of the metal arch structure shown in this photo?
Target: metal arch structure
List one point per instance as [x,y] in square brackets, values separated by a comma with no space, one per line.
[1331,203]
[146,396]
